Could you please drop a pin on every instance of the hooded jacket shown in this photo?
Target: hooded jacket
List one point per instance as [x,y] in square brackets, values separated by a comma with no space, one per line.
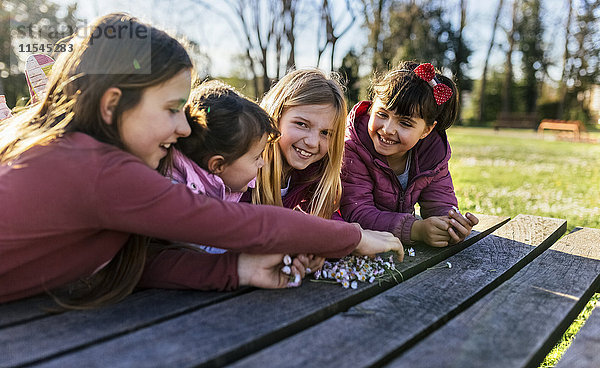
[200,181]
[372,195]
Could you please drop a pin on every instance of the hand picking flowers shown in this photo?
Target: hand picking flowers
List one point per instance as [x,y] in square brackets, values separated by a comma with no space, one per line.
[350,270]
[295,279]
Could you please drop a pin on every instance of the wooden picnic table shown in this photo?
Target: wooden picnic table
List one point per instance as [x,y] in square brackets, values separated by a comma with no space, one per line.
[513,289]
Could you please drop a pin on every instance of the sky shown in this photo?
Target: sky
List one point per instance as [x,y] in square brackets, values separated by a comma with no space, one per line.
[222,45]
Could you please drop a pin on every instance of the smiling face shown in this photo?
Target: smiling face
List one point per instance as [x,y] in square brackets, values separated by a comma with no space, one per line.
[240,172]
[305,134]
[157,121]
[394,135]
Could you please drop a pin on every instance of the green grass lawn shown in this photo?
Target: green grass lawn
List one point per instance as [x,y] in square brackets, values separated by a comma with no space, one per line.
[509,172]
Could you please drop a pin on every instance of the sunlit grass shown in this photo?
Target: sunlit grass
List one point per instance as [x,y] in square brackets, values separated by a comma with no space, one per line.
[508,175]
[514,172]
[557,352]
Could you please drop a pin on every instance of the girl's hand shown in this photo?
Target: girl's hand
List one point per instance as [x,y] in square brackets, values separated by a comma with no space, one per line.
[460,225]
[315,263]
[264,270]
[432,231]
[373,242]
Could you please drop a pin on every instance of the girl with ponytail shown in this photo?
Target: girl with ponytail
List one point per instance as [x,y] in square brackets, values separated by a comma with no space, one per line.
[223,153]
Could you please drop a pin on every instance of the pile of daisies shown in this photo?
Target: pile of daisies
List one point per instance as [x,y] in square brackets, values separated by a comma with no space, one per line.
[351,270]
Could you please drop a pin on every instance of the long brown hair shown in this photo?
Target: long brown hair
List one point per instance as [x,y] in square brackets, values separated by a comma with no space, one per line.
[72,104]
[298,88]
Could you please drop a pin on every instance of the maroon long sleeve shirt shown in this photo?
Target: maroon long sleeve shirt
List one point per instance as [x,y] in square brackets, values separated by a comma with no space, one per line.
[68,207]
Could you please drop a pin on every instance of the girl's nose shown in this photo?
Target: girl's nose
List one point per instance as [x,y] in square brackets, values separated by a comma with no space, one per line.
[182,128]
[312,139]
[387,128]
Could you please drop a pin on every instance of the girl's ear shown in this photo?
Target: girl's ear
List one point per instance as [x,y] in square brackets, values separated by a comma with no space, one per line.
[216,164]
[428,129]
[108,103]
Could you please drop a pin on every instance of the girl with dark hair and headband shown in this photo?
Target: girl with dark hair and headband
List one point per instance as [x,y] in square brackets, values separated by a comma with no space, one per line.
[396,155]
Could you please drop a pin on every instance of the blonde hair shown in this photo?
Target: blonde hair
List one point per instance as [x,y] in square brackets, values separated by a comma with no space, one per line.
[299,88]
[72,104]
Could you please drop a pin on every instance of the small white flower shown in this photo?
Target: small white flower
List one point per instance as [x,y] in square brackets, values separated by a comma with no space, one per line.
[287,270]
[287,260]
[447,265]
[354,285]
[411,252]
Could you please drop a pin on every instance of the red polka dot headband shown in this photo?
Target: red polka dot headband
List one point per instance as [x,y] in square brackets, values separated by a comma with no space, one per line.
[441,92]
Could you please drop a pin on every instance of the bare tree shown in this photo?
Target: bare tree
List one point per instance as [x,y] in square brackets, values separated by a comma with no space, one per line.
[266,31]
[461,55]
[373,11]
[289,21]
[486,63]
[249,46]
[508,73]
[563,79]
[329,28]
[459,50]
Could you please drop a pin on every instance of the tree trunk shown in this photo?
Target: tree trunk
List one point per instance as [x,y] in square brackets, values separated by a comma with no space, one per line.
[374,25]
[563,79]
[332,38]
[459,49]
[289,18]
[508,73]
[324,21]
[485,65]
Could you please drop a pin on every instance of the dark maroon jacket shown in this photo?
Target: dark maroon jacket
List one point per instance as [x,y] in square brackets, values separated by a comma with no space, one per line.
[372,195]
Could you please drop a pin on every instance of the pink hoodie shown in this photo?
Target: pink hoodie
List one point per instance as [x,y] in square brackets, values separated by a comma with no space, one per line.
[200,181]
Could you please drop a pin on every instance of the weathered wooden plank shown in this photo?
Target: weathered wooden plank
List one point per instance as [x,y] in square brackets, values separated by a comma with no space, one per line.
[517,324]
[21,311]
[42,338]
[377,329]
[584,351]
[226,331]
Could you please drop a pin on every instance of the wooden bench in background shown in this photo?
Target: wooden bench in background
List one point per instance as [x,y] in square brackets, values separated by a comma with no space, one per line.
[515,120]
[572,128]
[513,289]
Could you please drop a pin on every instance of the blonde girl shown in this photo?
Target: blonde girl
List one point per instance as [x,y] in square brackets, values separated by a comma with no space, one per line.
[303,167]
